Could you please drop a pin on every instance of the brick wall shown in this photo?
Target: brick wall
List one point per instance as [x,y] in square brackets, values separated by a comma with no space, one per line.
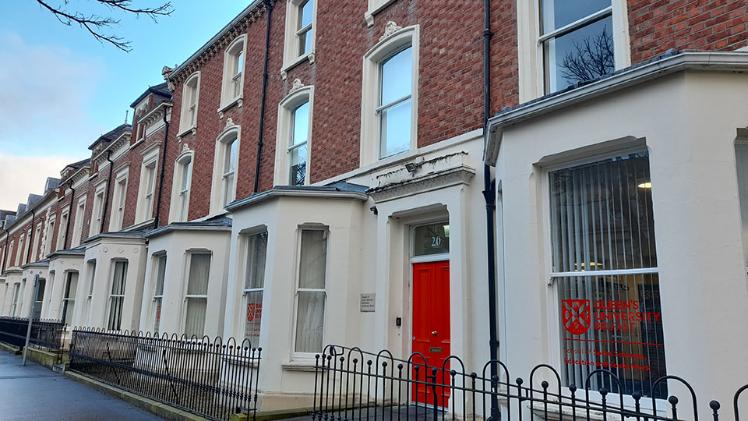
[658,25]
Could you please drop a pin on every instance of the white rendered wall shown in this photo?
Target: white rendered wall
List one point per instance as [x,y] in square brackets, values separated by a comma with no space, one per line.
[689,123]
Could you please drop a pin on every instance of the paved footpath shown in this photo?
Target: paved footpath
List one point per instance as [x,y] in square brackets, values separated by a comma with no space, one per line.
[34,392]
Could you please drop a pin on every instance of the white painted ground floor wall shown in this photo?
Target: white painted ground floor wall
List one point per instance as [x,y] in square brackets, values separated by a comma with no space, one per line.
[687,123]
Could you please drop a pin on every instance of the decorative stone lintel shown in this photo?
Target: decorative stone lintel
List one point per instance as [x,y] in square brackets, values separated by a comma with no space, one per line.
[390,28]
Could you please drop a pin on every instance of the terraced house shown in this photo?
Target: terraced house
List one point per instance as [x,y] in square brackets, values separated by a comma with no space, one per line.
[566,179]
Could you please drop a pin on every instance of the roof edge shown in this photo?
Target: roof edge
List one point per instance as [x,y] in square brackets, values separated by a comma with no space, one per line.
[702,61]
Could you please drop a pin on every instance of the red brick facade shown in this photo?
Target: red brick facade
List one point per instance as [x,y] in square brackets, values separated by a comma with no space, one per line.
[656,26]
[450,90]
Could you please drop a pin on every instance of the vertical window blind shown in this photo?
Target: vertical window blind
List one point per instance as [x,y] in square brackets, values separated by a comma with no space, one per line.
[605,270]
[197,295]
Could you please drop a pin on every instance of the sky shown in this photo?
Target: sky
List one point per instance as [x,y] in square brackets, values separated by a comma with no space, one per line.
[61,89]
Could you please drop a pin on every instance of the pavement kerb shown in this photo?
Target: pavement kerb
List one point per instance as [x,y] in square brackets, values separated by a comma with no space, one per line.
[150,405]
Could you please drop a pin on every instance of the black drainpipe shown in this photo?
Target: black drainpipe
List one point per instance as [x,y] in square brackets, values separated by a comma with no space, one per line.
[70,216]
[31,238]
[156,219]
[263,95]
[489,194]
[106,194]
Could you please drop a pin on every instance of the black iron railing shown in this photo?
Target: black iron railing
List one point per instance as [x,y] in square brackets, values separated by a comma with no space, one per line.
[44,333]
[351,384]
[210,378]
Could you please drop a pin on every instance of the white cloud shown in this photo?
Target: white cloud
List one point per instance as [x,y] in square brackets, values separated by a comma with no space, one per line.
[45,95]
[21,175]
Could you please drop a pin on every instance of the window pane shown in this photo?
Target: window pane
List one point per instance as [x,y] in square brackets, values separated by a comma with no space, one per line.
[395,129]
[231,157]
[309,321]
[186,173]
[612,323]
[297,175]
[581,55]
[305,16]
[160,274]
[157,316]
[558,13]
[300,121]
[115,313]
[199,274]
[601,216]
[254,317]
[397,77]
[431,239]
[72,285]
[118,283]
[239,61]
[313,259]
[195,321]
[601,219]
[256,255]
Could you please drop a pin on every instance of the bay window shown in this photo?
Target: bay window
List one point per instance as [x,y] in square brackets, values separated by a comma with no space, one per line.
[91,272]
[68,299]
[158,294]
[117,295]
[196,298]
[254,283]
[310,291]
[605,273]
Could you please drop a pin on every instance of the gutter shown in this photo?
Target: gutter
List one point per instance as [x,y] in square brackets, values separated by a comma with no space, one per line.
[626,78]
[108,186]
[266,62]
[157,217]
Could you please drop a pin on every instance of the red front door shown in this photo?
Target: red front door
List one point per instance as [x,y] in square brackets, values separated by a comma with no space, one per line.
[431,336]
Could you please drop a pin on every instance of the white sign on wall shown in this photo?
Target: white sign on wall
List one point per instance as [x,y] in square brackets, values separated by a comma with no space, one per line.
[367,302]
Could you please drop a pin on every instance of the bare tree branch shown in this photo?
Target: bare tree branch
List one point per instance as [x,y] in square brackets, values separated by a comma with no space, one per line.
[590,59]
[96,25]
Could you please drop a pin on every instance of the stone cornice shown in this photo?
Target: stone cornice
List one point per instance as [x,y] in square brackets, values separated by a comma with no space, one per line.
[217,43]
[114,146]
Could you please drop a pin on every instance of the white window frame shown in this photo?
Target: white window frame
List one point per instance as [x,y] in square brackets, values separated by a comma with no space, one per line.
[180,197]
[48,234]
[35,249]
[146,193]
[188,110]
[119,200]
[66,294]
[553,345]
[19,251]
[308,356]
[64,216]
[90,278]
[233,81]
[374,7]
[186,295]
[14,299]
[285,130]
[245,238]
[97,211]
[158,298]
[529,39]
[122,296]
[370,124]
[219,191]
[80,213]
[291,55]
